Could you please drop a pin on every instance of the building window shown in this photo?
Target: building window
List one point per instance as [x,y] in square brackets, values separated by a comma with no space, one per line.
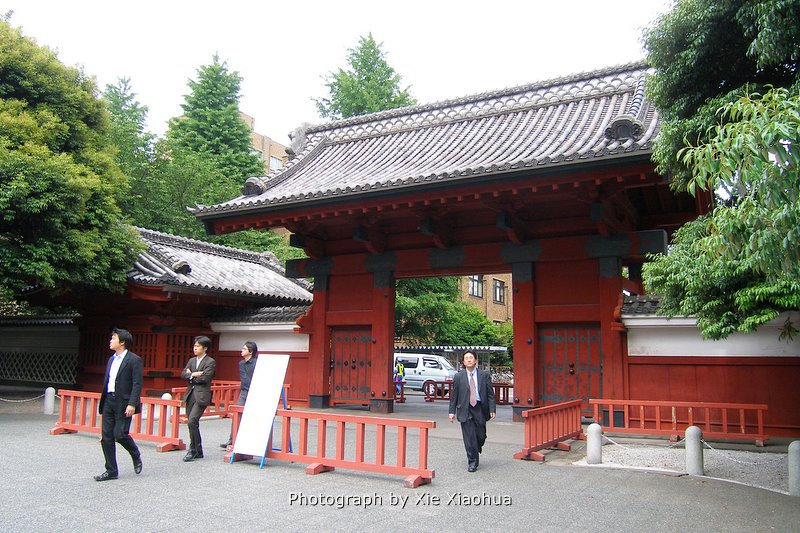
[499,291]
[275,163]
[476,286]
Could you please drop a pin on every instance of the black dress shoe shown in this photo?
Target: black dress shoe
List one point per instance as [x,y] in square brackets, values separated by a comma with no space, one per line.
[198,455]
[137,465]
[105,476]
[471,468]
[189,457]
[225,446]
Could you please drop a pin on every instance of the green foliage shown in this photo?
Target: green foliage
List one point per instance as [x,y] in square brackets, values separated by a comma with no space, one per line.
[428,312]
[725,295]
[60,227]
[754,154]
[212,125]
[370,85]
[705,49]
[727,88]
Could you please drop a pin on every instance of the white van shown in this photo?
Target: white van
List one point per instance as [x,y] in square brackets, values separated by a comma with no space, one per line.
[423,367]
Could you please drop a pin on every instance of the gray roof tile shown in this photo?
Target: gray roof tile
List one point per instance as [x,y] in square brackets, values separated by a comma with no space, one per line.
[181,263]
[571,120]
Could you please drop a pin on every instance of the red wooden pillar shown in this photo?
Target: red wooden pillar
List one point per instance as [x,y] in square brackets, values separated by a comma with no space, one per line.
[383,298]
[610,288]
[313,323]
[524,288]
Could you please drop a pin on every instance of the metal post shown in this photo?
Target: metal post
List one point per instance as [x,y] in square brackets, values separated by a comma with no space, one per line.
[794,468]
[694,451]
[49,400]
[594,444]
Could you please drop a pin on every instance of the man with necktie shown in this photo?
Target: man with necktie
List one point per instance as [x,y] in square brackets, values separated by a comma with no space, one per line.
[199,371]
[120,399]
[472,402]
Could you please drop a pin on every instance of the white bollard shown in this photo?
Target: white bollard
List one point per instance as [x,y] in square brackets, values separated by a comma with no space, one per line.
[49,400]
[794,468]
[594,444]
[694,451]
[165,396]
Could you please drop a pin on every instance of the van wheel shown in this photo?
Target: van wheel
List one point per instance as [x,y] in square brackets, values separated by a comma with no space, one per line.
[430,388]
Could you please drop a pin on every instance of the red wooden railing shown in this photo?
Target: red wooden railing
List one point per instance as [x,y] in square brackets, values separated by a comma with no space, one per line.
[440,390]
[223,396]
[319,460]
[437,390]
[78,412]
[737,421]
[549,427]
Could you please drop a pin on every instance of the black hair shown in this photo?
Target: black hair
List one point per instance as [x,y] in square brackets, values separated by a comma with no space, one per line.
[252,347]
[124,336]
[202,340]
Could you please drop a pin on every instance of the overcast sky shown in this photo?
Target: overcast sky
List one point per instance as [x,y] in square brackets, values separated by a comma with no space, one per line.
[443,49]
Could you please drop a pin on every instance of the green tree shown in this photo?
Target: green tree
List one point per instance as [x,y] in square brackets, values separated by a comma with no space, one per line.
[212,125]
[727,85]
[370,84]
[60,227]
[135,153]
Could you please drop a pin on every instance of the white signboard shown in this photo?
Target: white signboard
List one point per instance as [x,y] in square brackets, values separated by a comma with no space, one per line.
[261,404]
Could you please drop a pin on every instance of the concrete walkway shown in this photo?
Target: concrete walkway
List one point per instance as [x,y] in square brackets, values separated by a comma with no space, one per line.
[47,486]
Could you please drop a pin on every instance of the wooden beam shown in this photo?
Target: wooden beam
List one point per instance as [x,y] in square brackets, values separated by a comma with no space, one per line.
[439,232]
[311,246]
[373,239]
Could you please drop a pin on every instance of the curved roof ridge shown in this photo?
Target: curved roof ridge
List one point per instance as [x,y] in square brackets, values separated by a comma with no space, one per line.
[477,97]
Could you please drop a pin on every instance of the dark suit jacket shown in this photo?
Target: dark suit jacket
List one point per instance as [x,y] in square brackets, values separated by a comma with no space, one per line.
[200,387]
[128,382]
[459,395]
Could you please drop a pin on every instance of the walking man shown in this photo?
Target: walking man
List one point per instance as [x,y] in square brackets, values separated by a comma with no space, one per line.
[472,402]
[120,399]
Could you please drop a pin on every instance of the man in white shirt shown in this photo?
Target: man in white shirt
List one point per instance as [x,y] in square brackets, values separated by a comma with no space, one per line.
[120,399]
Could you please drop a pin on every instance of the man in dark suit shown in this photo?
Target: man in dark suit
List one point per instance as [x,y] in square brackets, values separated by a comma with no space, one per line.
[199,371]
[120,399]
[472,402]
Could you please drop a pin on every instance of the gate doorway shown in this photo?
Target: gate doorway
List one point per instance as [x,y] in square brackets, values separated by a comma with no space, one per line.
[571,364]
[350,365]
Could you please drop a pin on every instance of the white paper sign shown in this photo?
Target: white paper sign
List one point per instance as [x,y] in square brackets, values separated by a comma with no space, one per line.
[261,404]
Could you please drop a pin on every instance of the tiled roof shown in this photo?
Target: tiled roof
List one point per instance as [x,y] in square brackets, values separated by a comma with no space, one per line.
[573,120]
[180,263]
[263,315]
[640,305]
[40,320]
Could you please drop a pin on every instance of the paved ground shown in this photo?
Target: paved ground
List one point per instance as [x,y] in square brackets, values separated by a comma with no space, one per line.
[47,486]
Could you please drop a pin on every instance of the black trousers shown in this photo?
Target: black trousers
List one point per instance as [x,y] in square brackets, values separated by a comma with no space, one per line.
[194,411]
[473,431]
[115,429]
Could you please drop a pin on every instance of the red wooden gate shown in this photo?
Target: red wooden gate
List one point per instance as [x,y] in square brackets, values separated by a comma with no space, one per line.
[571,364]
[351,361]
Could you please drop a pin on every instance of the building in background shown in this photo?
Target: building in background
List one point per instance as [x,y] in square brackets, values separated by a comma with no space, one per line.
[272,153]
[491,293]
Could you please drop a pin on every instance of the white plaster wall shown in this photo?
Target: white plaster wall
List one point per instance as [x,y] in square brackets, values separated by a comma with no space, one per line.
[656,336]
[268,337]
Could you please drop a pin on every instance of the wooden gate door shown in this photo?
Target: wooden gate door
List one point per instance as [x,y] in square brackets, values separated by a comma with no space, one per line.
[350,360]
[571,364]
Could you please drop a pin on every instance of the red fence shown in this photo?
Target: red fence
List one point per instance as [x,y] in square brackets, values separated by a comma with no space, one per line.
[78,412]
[548,427]
[223,396]
[717,420]
[440,390]
[320,460]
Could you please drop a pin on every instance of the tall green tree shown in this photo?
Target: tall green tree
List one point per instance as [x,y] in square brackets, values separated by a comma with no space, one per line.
[60,228]
[727,85]
[368,86]
[212,125]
